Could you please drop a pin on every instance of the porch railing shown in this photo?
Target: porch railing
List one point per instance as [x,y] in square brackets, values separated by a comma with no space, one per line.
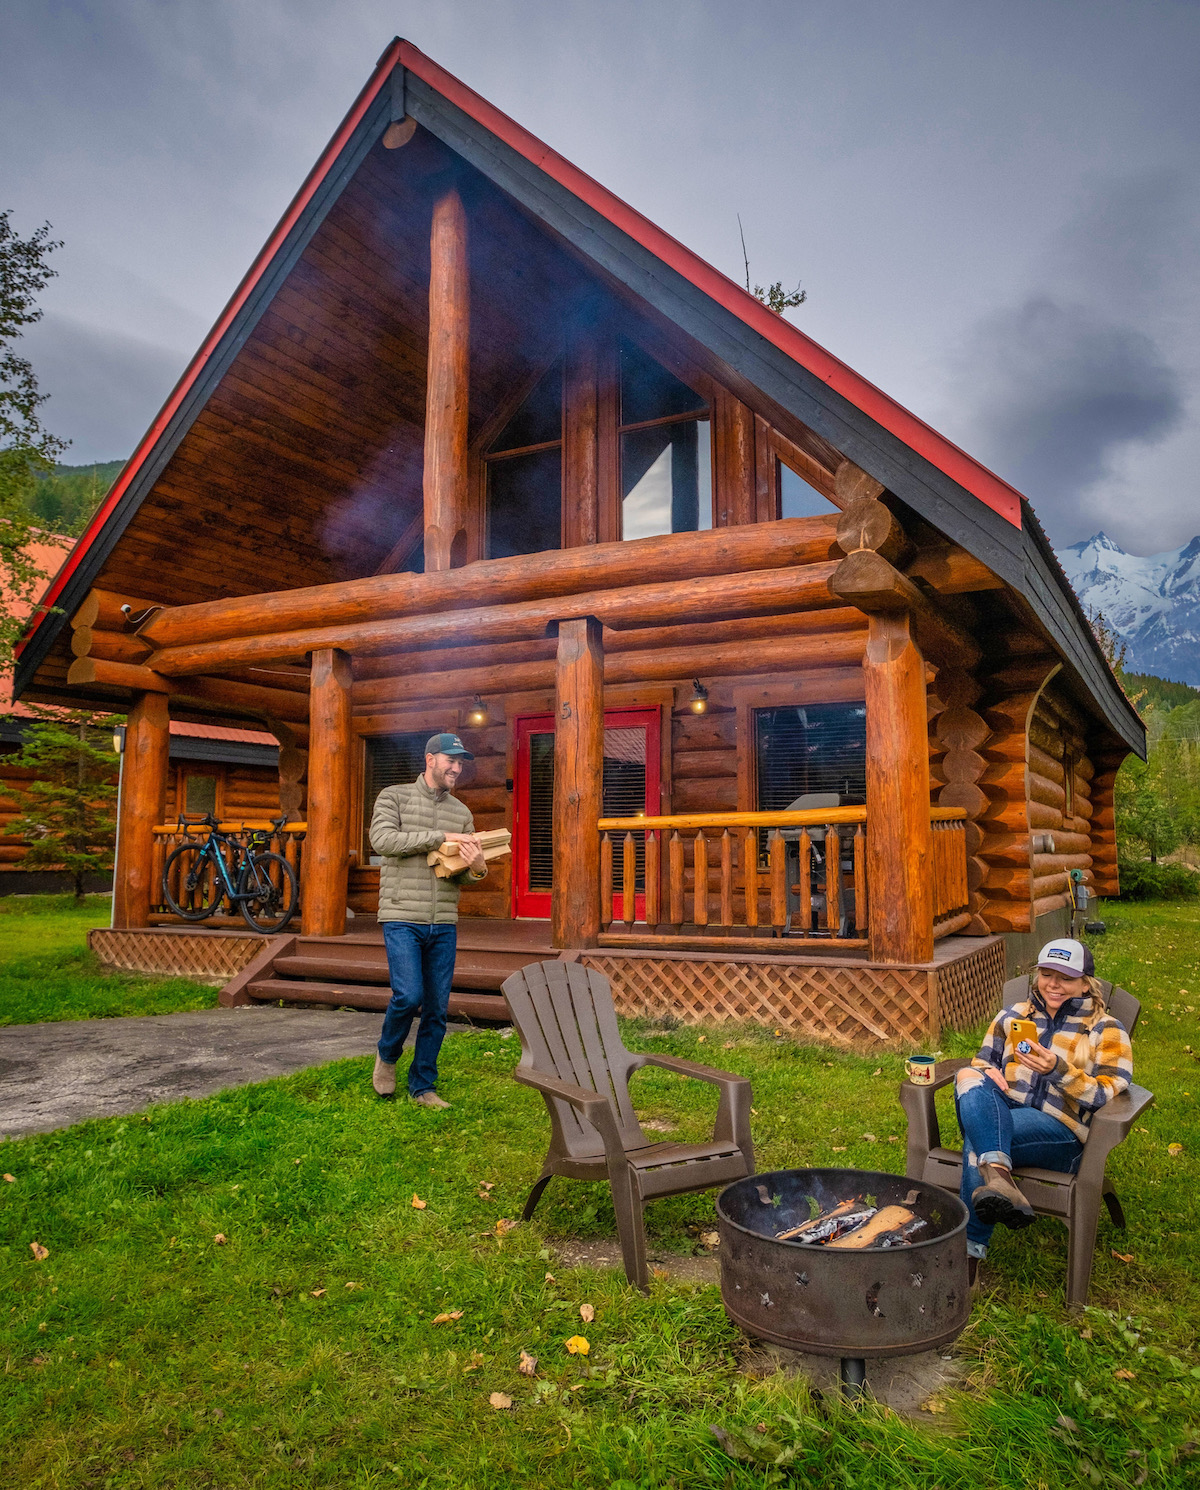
[168,837]
[802,875]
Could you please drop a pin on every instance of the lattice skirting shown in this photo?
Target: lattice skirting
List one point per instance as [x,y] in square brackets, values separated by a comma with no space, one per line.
[211,956]
[968,989]
[845,1005]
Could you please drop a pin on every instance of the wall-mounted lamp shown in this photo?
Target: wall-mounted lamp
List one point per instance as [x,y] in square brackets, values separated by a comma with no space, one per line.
[118,740]
[477,714]
[698,703]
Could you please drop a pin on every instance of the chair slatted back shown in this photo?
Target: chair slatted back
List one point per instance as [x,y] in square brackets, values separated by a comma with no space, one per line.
[564,1015]
[1119,1002]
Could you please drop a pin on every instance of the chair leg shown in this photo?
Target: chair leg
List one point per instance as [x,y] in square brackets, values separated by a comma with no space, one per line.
[535,1195]
[1115,1210]
[1081,1244]
[631,1229]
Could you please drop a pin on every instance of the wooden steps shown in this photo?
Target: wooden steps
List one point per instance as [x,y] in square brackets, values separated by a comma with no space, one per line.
[352,971]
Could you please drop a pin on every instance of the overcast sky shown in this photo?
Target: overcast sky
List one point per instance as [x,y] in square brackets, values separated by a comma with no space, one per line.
[994,207]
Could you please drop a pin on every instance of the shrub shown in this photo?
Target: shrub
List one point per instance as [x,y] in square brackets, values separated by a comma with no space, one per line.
[1141,880]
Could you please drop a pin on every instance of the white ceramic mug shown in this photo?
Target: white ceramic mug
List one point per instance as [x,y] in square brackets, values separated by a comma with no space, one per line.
[920,1069]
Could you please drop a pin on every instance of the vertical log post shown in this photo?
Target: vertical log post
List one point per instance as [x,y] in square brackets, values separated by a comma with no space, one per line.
[327,845]
[143,801]
[446,396]
[899,847]
[578,779]
[581,446]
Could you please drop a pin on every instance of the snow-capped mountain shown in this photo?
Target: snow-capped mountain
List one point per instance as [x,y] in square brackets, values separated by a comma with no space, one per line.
[1153,603]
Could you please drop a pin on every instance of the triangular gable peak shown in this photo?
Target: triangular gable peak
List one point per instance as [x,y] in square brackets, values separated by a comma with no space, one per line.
[290,453]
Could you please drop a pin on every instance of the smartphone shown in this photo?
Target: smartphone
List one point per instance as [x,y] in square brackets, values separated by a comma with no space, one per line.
[1022,1029]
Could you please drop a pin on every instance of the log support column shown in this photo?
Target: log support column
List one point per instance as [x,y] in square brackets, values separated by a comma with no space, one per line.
[327,846]
[899,847]
[446,397]
[143,802]
[578,782]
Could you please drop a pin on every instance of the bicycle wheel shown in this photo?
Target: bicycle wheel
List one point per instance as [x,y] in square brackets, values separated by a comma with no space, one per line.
[267,892]
[191,882]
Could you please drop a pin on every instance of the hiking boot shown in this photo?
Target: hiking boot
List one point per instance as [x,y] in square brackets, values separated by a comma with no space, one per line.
[429,1099]
[998,1201]
[383,1078]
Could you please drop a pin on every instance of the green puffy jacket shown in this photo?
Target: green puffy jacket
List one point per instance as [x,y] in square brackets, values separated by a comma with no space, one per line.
[408,821]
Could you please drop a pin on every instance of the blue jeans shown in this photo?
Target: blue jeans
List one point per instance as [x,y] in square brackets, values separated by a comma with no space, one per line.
[997,1130]
[420,970]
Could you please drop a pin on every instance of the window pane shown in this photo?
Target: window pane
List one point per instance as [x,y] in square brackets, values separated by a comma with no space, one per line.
[391,759]
[666,479]
[200,795]
[798,499]
[525,504]
[539,418]
[817,748]
[541,811]
[649,391]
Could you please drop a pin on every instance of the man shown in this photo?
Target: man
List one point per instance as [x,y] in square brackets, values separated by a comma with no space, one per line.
[419,912]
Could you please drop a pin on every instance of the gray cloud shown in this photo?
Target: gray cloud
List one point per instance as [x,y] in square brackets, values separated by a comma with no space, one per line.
[104,387]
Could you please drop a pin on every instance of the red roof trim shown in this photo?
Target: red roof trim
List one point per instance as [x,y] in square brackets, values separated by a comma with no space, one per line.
[914,432]
[194,368]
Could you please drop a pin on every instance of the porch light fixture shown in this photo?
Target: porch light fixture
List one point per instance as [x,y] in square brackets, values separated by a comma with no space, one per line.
[698,703]
[477,714]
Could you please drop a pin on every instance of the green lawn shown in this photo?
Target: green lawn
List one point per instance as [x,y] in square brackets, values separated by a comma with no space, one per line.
[47,972]
[303,1350]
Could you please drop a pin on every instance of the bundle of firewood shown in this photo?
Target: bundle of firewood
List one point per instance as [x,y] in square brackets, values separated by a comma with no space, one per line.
[447,861]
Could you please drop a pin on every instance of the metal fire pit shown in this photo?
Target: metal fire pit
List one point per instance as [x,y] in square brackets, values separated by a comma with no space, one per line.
[837,1301]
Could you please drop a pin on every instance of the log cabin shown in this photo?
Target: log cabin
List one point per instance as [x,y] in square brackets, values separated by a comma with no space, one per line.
[788,704]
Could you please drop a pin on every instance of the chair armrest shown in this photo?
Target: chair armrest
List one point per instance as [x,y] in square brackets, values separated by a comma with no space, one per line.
[592,1106]
[732,1123]
[919,1106]
[1110,1126]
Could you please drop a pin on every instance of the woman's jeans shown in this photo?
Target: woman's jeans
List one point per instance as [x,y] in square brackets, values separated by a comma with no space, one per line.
[421,971]
[997,1130]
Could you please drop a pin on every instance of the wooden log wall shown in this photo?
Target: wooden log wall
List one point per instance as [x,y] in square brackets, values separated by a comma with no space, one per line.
[958,732]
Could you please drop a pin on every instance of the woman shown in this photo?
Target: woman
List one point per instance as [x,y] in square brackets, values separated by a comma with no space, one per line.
[1026,1103]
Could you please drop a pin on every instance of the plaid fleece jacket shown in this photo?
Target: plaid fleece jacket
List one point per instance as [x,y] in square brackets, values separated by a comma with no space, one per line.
[1095,1059]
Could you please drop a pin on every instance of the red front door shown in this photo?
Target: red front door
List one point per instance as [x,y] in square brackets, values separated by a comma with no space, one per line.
[631,788]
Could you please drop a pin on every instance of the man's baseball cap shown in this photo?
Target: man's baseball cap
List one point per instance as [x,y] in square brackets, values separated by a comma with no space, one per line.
[447,745]
[1068,956]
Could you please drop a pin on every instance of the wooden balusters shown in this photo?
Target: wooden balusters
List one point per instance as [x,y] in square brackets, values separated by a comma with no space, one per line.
[833,882]
[750,874]
[653,885]
[805,916]
[951,891]
[777,862]
[700,879]
[860,881]
[629,880]
[606,881]
[676,879]
[726,879]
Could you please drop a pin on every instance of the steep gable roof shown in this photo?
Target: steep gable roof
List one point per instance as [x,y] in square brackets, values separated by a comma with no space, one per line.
[954,492]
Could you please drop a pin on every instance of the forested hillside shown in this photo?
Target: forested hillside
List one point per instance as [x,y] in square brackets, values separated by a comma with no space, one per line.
[63,502]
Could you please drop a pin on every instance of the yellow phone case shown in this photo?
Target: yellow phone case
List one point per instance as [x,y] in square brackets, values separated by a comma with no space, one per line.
[1023,1029]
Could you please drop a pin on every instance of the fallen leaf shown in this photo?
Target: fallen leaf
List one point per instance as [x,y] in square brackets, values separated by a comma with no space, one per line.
[660,1272]
[473,1364]
[893,1138]
[1063,1421]
[295,1161]
[1175,1150]
[528,1366]
[878,1071]
[506,1034]
[448,1318]
[504,1224]
[778,1034]
[701,1039]
[577,1345]
[710,1238]
[40,1252]
[418,1204]
[587,1313]
[933,1404]
[870,1138]
[1124,1375]
[1085,1334]
[10,1179]
[353,1285]
[728,1045]
[501,1401]
[219,1239]
[1123,1256]
[549,1277]
[318,1293]
[838,1149]
[487,1184]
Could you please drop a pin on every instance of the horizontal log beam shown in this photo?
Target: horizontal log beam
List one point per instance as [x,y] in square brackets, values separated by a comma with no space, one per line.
[796,541]
[673,601]
[104,610]
[951,570]
[727,660]
[240,698]
[865,579]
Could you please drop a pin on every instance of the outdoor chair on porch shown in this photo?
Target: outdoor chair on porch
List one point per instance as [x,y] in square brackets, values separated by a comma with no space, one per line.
[571,1052]
[1073,1198]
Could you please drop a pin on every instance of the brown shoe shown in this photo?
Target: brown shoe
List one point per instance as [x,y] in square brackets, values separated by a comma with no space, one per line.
[999,1202]
[429,1099]
[383,1078]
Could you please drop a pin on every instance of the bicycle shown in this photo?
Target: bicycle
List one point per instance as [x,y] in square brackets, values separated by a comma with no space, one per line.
[261,884]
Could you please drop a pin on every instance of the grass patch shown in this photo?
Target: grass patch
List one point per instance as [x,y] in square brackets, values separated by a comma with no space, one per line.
[302,1351]
[47,972]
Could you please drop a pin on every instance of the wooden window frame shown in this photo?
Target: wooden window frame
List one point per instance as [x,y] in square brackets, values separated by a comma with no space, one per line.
[810,688]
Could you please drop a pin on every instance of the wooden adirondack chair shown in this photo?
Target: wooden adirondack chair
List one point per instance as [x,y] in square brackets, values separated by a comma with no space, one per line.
[1073,1198]
[571,1052]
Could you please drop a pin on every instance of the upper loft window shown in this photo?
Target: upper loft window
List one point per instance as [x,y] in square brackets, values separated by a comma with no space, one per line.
[524,475]
[797,498]
[666,451]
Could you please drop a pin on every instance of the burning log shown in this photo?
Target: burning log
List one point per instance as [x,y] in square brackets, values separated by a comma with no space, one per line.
[858,1224]
[884,1224]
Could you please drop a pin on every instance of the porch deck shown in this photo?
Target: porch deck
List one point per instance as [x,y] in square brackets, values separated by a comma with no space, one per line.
[839,996]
